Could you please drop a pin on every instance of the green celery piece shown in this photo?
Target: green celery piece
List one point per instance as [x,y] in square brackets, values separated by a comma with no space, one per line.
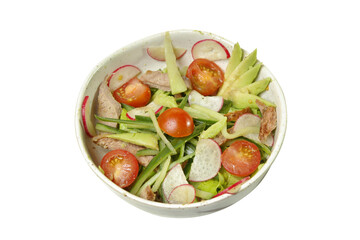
[197,114]
[177,83]
[203,194]
[146,152]
[162,175]
[163,99]
[257,87]
[243,100]
[229,178]
[243,66]
[160,133]
[147,140]
[162,156]
[247,78]
[105,128]
[211,114]
[235,59]
[210,185]
[214,129]
[240,132]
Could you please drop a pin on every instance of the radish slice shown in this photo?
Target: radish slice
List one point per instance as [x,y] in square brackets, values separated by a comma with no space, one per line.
[214,103]
[252,120]
[122,75]
[209,49]
[143,111]
[158,53]
[174,178]
[233,188]
[182,194]
[207,161]
[86,118]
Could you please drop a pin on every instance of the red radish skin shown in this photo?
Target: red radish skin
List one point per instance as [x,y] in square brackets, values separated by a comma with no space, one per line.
[196,49]
[175,177]
[88,127]
[178,192]
[158,53]
[210,143]
[228,190]
[127,71]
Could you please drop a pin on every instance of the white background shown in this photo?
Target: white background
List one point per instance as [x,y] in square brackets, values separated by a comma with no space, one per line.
[49,48]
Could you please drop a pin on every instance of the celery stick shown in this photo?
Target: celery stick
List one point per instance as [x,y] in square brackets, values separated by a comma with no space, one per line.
[162,175]
[177,83]
[197,114]
[105,128]
[234,60]
[243,66]
[240,132]
[210,113]
[214,129]
[149,182]
[183,159]
[243,100]
[160,133]
[161,98]
[146,152]
[162,156]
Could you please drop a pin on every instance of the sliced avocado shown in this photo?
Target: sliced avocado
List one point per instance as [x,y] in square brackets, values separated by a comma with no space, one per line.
[244,100]
[257,87]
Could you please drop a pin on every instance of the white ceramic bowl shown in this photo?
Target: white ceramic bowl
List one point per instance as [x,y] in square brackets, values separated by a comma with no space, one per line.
[135,54]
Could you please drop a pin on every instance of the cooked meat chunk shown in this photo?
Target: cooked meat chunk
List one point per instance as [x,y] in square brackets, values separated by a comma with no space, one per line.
[220,139]
[160,80]
[112,144]
[107,105]
[268,120]
[233,116]
[148,194]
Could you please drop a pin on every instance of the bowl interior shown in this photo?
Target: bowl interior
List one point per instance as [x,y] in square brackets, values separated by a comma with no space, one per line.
[135,54]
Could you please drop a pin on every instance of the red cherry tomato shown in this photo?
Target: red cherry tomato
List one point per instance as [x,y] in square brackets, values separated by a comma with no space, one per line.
[205,76]
[241,158]
[121,167]
[176,122]
[134,93]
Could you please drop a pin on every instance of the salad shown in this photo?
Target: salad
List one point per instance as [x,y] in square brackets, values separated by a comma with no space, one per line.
[183,135]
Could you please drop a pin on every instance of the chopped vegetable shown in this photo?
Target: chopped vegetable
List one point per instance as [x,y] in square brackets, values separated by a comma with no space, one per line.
[177,83]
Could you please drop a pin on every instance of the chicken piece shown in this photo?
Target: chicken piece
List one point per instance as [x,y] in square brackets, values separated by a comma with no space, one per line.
[268,120]
[160,80]
[109,143]
[233,116]
[107,105]
[220,139]
[148,194]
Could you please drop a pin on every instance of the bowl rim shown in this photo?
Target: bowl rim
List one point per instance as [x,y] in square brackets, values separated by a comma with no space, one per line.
[213,201]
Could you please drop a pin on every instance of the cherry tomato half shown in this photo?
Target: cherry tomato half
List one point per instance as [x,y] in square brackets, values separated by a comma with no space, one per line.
[241,158]
[205,76]
[121,167]
[134,93]
[176,122]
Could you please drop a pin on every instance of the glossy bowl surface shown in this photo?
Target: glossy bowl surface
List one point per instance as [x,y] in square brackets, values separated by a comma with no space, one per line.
[136,54]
